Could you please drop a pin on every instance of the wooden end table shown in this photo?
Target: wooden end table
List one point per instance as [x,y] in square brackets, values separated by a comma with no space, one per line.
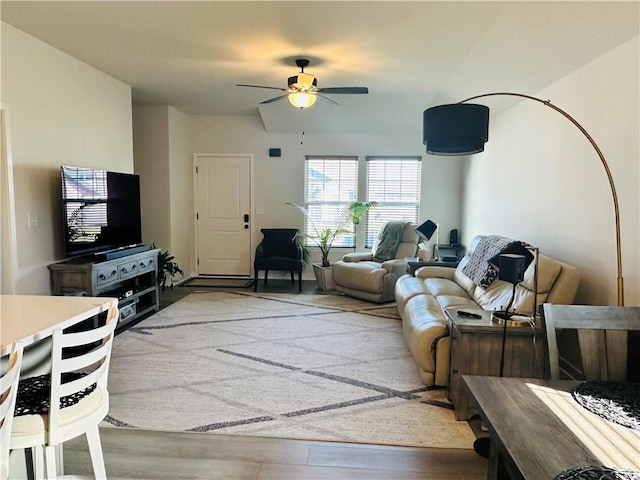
[476,346]
[414,263]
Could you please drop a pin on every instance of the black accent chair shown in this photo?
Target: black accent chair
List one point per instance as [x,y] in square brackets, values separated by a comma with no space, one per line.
[278,251]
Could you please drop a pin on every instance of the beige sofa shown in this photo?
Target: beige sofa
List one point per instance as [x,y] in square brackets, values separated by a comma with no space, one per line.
[360,275]
[421,299]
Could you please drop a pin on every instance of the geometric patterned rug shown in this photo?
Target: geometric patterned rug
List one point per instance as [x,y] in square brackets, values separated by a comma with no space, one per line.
[314,367]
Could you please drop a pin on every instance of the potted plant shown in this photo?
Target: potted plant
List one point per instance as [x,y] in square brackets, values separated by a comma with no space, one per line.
[345,223]
[305,251]
[167,269]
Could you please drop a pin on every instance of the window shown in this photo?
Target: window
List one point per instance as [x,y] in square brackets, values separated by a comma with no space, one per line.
[331,183]
[393,182]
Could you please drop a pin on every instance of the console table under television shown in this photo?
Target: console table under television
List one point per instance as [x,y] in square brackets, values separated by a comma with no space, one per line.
[129,277]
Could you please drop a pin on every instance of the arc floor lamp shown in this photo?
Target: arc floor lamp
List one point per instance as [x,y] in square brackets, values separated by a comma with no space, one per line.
[463,128]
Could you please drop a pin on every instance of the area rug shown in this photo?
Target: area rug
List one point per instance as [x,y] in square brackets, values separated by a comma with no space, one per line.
[217,282]
[313,367]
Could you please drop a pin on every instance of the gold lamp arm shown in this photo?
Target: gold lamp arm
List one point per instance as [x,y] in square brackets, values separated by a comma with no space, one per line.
[616,208]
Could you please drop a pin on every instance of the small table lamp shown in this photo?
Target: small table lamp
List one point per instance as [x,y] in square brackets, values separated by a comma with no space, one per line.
[511,268]
[426,231]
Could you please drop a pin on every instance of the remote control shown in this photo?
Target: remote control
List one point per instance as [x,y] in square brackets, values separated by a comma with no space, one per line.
[462,313]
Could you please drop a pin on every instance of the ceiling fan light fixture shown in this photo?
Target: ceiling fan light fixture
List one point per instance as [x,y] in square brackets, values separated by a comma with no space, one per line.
[302,99]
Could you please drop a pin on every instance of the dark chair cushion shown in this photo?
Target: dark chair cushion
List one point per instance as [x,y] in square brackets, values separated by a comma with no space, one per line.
[33,394]
[278,263]
[278,242]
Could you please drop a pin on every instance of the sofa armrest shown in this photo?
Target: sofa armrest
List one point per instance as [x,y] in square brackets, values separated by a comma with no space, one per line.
[395,265]
[434,271]
[423,325]
[357,257]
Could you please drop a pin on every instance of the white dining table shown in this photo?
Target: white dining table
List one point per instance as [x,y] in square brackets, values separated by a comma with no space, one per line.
[31,318]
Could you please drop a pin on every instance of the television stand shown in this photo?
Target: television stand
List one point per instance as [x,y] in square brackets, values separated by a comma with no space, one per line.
[132,278]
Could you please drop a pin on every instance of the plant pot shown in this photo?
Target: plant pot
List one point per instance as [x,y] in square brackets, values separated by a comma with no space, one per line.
[324,277]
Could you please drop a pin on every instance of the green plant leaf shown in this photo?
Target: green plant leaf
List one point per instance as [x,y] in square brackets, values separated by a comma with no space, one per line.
[323,238]
[167,269]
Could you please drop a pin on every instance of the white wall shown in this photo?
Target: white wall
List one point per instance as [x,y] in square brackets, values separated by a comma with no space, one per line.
[152,163]
[63,112]
[181,167]
[539,179]
[163,161]
[281,179]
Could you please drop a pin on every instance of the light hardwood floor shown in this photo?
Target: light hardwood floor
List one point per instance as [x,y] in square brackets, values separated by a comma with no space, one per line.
[137,454]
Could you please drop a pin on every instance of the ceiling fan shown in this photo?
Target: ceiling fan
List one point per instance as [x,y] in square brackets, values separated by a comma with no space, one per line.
[303,89]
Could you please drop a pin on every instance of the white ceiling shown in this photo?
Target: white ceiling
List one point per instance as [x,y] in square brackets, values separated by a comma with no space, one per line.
[411,55]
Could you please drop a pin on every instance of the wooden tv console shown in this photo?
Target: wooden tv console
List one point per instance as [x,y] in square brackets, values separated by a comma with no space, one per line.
[130,277]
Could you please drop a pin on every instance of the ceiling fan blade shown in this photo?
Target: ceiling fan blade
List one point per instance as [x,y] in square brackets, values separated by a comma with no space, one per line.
[326,98]
[275,99]
[338,90]
[261,86]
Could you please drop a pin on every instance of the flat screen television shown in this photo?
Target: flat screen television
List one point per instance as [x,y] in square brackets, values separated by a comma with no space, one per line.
[101,210]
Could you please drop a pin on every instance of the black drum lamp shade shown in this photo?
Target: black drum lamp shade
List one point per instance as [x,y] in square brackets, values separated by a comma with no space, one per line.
[455,129]
[511,267]
[426,230]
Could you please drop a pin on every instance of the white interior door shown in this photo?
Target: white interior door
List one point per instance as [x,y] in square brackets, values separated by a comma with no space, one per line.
[223,209]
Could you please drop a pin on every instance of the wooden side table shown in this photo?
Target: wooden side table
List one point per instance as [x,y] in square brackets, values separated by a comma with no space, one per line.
[414,263]
[458,250]
[476,346]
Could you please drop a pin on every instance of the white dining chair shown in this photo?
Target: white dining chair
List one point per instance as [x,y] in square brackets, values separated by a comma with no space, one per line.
[69,402]
[9,378]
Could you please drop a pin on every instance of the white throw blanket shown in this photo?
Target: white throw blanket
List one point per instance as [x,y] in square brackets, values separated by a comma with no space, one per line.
[482,265]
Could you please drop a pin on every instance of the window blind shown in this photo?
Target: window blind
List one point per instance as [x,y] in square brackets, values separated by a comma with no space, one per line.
[331,183]
[393,182]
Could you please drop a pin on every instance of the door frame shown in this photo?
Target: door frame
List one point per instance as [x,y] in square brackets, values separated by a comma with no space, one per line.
[9,241]
[252,212]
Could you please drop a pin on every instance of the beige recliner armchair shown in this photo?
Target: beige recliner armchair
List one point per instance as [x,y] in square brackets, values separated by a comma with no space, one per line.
[372,276]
